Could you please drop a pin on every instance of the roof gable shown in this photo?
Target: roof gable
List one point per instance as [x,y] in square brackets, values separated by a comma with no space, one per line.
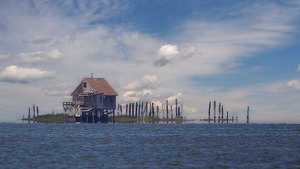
[100,85]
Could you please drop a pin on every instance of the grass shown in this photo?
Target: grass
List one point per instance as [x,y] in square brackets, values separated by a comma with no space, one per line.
[49,118]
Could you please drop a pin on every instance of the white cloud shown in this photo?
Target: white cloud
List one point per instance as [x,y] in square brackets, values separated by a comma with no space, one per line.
[147,82]
[234,65]
[15,74]
[295,84]
[37,57]
[298,68]
[169,53]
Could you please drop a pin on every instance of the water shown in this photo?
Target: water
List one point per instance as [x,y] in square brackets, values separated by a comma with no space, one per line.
[149,145]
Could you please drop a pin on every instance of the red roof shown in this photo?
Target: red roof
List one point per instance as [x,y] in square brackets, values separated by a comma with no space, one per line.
[101,86]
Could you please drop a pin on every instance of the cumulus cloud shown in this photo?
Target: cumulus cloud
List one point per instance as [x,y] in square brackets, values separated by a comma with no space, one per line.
[15,74]
[38,57]
[148,82]
[297,68]
[234,65]
[169,53]
[295,84]
[57,90]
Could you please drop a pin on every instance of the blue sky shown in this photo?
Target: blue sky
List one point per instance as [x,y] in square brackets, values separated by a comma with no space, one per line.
[239,53]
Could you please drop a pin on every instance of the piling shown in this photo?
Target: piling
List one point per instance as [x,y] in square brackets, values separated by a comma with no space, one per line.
[33,110]
[142,109]
[146,109]
[29,113]
[209,112]
[171,112]
[157,111]
[121,110]
[248,114]
[126,109]
[132,114]
[222,114]
[129,110]
[118,110]
[152,109]
[167,110]
[136,109]
[176,109]
[219,112]
[37,111]
[227,117]
[214,111]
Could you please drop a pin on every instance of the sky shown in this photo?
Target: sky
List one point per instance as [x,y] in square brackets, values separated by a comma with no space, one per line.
[239,53]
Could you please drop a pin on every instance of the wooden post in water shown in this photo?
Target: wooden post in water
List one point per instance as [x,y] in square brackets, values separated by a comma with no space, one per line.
[37,111]
[121,110]
[167,109]
[118,110]
[222,114]
[227,117]
[248,114]
[209,112]
[136,109]
[139,110]
[152,109]
[142,107]
[132,114]
[219,112]
[157,111]
[126,109]
[33,111]
[29,113]
[129,110]
[214,111]
[171,112]
[146,109]
[176,109]
[179,112]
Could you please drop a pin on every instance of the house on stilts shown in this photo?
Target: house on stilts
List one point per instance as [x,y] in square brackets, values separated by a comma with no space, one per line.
[92,101]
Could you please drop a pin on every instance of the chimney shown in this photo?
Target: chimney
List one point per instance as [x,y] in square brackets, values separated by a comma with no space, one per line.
[91,75]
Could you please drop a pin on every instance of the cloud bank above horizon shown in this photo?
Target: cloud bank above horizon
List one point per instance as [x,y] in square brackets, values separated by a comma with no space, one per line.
[238,53]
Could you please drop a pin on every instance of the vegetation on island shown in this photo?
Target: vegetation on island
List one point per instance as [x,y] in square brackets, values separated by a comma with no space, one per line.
[48,118]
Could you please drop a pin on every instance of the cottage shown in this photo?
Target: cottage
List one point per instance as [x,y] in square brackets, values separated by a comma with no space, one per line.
[95,97]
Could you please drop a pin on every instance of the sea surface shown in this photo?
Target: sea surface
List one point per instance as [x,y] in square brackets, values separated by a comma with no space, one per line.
[41,145]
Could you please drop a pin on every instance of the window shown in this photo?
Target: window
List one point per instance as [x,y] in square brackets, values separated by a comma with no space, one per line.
[111,99]
[84,84]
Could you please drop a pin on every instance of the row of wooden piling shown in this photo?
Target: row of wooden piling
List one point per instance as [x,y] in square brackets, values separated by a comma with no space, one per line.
[221,111]
[140,110]
[35,109]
